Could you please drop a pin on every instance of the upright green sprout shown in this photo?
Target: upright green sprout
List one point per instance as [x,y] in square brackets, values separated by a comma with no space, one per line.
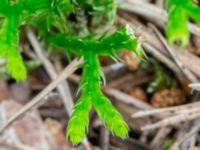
[15,14]
[9,47]
[180,11]
[92,95]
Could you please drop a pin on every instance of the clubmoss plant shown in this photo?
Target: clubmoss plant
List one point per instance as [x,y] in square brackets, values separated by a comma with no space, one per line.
[15,14]
[49,18]
[92,76]
[180,11]
[56,22]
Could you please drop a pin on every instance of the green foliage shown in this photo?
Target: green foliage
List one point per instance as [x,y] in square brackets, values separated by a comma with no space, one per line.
[97,6]
[9,41]
[168,143]
[32,64]
[179,14]
[44,13]
[91,81]
[110,116]
[49,17]
[79,121]
[161,79]
[107,45]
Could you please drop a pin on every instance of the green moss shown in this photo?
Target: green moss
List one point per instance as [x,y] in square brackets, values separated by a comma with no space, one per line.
[180,11]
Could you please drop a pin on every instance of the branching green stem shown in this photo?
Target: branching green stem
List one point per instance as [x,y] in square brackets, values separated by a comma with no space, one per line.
[92,95]
[122,39]
[92,79]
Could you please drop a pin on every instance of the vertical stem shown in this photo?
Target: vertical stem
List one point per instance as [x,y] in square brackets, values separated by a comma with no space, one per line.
[9,41]
[91,79]
[9,33]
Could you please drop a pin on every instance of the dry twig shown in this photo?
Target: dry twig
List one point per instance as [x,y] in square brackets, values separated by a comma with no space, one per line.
[174,56]
[185,137]
[173,120]
[63,88]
